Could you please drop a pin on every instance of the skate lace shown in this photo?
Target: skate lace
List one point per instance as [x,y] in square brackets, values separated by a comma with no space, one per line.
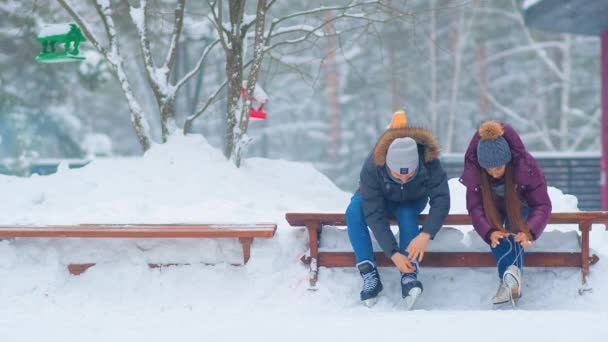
[370,281]
[408,277]
[518,249]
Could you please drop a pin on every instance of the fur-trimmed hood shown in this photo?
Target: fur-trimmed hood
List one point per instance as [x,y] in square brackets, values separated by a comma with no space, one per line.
[422,137]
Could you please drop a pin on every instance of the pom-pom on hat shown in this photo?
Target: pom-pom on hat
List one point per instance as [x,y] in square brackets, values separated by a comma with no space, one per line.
[399,120]
[493,149]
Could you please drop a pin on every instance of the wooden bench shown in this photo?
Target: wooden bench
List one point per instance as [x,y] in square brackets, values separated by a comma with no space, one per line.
[314,223]
[245,233]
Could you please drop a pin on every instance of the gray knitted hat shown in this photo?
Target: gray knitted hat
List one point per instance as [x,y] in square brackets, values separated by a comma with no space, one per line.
[493,149]
[402,156]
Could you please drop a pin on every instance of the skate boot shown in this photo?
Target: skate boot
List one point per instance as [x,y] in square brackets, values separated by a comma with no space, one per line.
[371,282]
[411,287]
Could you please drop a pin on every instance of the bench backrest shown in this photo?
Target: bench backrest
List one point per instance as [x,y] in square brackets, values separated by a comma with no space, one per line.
[337,219]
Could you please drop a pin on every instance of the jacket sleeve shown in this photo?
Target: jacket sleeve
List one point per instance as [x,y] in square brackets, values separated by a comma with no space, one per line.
[376,216]
[539,203]
[478,216]
[439,199]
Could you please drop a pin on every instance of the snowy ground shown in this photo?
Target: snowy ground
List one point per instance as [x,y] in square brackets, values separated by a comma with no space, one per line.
[267,300]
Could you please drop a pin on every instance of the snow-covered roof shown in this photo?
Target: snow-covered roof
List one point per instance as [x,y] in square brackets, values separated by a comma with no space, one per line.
[258,93]
[529,3]
[55,29]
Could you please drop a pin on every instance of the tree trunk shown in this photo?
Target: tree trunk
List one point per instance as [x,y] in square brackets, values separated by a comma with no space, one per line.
[483,79]
[433,62]
[167,117]
[241,140]
[331,73]
[565,94]
[234,73]
[458,43]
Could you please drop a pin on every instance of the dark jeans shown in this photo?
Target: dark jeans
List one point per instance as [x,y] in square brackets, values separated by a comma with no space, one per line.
[407,216]
[509,252]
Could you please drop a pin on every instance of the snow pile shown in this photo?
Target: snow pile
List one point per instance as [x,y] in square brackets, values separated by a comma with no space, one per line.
[185,180]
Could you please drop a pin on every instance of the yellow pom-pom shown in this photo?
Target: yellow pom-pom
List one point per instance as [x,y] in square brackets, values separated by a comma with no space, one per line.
[399,120]
[491,130]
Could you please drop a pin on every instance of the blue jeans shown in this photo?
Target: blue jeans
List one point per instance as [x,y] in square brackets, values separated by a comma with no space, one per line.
[509,252]
[407,216]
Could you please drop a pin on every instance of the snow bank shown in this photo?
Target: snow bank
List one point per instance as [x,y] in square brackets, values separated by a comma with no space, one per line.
[185,180]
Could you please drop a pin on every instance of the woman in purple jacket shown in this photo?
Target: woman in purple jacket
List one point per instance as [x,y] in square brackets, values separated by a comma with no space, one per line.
[507,200]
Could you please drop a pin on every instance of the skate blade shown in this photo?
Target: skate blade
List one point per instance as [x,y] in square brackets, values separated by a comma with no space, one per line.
[370,302]
[411,298]
[510,303]
[513,299]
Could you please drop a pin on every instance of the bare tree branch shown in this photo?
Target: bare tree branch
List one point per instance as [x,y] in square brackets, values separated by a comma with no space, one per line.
[144,43]
[198,65]
[190,119]
[520,119]
[86,30]
[218,24]
[540,52]
[590,125]
[177,30]
[106,23]
[321,10]
[312,31]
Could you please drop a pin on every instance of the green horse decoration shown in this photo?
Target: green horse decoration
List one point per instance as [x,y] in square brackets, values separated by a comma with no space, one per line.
[51,38]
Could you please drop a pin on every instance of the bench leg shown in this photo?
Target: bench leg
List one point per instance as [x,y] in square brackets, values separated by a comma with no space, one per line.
[78,269]
[246,244]
[314,232]
[584,227]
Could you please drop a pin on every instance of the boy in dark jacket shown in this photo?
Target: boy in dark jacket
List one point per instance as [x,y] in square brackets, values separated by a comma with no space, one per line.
[399,177]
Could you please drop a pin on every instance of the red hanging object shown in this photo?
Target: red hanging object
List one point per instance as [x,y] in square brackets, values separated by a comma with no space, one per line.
[256,113]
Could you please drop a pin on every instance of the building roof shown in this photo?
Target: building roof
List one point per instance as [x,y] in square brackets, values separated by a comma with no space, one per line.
[585,17]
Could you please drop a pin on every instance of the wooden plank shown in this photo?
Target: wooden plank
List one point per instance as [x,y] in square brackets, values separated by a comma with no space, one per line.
[78,269]
[458,259]
[337,219]
[141,231]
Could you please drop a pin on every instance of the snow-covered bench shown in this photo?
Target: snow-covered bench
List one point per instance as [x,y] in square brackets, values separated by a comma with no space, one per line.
[454,247]
[244,232]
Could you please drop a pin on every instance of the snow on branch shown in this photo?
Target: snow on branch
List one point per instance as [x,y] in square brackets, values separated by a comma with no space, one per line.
[105,13]
[138,15]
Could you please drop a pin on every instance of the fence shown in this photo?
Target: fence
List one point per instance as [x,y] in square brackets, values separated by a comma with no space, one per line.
[575,174]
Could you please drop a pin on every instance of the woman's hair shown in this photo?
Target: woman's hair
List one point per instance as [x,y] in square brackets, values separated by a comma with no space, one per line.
[512,202]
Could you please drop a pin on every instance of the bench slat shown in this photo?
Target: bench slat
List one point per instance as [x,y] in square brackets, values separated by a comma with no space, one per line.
[142,231]
[458,259]
[302,219]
